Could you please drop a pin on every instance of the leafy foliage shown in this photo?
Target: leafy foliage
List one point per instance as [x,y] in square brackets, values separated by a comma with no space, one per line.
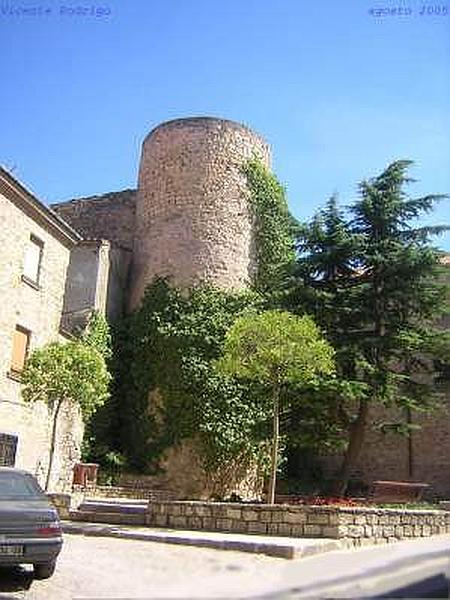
[70,372]
[167,388]
[274,227]
[276,348]
[98,335]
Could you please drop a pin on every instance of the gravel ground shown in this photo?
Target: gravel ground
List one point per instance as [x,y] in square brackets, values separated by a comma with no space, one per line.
[94,567]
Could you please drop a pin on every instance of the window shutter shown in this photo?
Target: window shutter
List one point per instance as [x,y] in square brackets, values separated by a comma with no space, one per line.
[32,259]
[20,347]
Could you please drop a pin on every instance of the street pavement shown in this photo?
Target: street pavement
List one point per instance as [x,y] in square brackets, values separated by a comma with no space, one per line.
[104,567]
[112,567]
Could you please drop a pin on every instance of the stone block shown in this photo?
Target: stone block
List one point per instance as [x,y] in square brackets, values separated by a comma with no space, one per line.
[194,522]
[284,529]
[330,531]
[239,526]
[223,524]
[177,522]
[174,510]
[233,513]
[406,519]
[202,511]
[160,521]
[388,531]
[209,523]
[346,519]
[218,510]
[333,518]
[249,515]
[313,530]
[272,528]
[266,516]
[399,531]
[318,519]
[360,519]
[355,531]
[257,527]
[278,516]
[295,517]
[377,531]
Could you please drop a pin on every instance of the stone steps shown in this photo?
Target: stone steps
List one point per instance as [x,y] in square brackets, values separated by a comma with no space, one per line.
[114,506]
[114,518]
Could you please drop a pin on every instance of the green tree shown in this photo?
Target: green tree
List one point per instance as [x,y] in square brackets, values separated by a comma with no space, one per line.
[275,348]
[74,373]
[167,389]
[372,282]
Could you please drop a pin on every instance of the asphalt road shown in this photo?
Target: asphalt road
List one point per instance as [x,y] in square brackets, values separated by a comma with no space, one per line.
[95,567]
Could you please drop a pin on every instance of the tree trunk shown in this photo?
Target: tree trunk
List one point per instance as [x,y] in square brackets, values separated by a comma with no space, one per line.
[52,443]
[356,438]
[275,438]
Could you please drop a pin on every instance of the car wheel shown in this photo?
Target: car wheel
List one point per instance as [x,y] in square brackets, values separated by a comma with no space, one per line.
[44,570]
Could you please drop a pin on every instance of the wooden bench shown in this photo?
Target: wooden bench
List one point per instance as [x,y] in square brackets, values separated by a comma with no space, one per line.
[396,491]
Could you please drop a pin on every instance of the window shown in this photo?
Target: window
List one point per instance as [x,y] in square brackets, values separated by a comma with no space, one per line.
[21,343]
[18,486]
[8,446]
[32,260]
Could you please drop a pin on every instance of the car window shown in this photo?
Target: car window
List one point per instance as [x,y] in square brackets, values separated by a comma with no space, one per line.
[17,485]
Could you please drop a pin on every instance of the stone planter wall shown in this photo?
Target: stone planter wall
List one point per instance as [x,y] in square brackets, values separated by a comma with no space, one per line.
[358,525]
[135,493]
[61,502]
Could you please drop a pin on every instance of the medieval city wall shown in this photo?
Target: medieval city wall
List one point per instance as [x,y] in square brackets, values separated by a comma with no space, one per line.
[105,217]
[190,220]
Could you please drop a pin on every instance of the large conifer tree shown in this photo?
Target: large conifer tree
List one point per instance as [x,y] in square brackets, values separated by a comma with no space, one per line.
[372,282]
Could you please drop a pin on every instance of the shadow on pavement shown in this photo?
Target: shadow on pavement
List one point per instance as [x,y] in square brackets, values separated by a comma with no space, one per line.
[15,579]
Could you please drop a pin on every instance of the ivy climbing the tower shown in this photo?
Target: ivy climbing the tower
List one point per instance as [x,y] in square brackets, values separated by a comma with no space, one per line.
[274,227]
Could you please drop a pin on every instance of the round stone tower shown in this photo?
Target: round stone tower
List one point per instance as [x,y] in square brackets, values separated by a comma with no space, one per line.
[192,217]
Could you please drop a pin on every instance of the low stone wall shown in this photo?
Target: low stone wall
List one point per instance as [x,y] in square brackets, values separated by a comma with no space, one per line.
[135,493]
[358,525]
[61,502]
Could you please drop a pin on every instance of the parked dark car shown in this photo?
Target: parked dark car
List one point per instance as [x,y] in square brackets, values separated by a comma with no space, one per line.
[30,531]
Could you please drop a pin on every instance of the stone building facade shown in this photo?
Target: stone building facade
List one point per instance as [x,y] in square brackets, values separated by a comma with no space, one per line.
[35,247]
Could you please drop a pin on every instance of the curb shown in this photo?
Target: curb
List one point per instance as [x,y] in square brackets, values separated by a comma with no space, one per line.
[251,543]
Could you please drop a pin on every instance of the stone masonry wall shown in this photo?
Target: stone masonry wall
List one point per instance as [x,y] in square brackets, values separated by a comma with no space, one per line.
[192,217]
[96,280]
[358,525]
[108,216]
[38,309]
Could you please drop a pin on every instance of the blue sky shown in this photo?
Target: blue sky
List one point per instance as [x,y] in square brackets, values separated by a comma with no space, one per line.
[337,91]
